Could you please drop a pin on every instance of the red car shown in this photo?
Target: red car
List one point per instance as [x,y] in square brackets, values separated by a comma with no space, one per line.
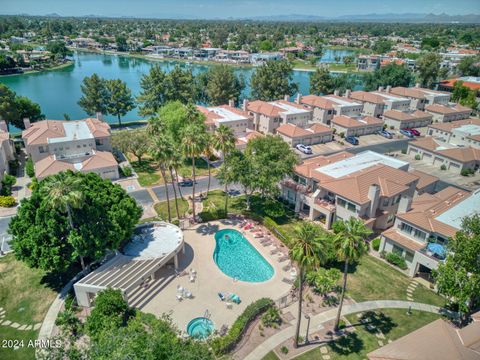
[413,131]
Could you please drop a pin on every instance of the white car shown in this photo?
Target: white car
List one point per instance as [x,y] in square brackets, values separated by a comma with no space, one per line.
[304,148]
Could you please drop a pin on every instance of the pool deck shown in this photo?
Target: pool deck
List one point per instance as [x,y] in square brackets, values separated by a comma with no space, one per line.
[210,280]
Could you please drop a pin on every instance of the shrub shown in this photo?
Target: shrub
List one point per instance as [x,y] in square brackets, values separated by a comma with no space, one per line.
[271,225]
[29,169]
[404,151]
[342,134]
[126,171]
[443,167]
[13,166]
[396,260]
[214,214]
[342,324]
[376,244]
[417,157]
[467,172]
[7,183]
[272,318]
[284,350]
[222,345]
[274,208]
[7,201]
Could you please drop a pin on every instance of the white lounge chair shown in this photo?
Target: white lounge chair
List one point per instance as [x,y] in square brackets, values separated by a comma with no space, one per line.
[179,297]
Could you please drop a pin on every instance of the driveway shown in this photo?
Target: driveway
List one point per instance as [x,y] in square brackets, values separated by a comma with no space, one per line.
[4,236]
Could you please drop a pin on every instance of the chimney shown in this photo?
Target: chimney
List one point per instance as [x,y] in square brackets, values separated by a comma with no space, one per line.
[231,103]
[405,204]
[26,123]
[380,88]
[245,105]
[99,116]
[348,93]
[286,98]
[3,126]
[336,92]
[374,196]
[298,99]
[389,88]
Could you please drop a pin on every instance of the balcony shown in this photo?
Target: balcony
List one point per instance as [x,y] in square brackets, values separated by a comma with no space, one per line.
[295,186]
[434,251]
[325,204]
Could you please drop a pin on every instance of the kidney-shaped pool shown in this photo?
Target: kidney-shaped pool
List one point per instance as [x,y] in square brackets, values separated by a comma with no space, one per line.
[237,258]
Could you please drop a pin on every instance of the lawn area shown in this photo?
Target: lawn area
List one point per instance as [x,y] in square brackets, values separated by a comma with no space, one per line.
[342,67]
[394,323]
[149,173]
[25,300]
[162,210]
[304,65]
[372,279]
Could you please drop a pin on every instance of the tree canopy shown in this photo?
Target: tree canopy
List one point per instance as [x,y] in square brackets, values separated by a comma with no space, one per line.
[220,84]
[428,68]
[14,108]
[43,237]
[392,74]
[95,95]
[273,80]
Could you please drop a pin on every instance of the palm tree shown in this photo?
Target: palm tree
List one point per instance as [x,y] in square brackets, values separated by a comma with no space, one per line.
[176,161]
[349,244]
[308,252]
[224,141]
[64,193]
[208,152]
[192,146]
[160,151]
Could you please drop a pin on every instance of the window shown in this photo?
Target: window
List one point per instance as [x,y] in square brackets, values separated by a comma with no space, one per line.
[351,207]
[341,202]
[386,201]
[390,218]
[406,228]
[41,149]
[419,234]
[409,256]
[99,142]
[397,250]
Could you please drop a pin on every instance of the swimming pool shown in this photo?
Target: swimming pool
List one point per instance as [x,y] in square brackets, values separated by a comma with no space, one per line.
[237,258]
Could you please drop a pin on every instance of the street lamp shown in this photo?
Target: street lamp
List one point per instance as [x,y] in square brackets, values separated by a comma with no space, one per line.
[308,327]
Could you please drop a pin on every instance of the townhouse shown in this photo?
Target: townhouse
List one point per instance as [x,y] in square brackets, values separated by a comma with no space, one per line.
[423,226]
[356,126]
[445,156]
[420,97]
[326,107]
[461,133]
[450,112]
[395,119]
[367,186]
[315,134]
[82,145]
[368,62]
[228,115]
[376,102]
[6,150]
[268,116]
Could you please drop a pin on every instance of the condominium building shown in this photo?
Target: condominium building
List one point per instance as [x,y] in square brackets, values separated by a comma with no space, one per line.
[356,126]
[367,186]
[82,145]
[395,119]
[315,134]
[326,107]
[6,150]
[424,225]
[461,133]
[268,116]
[449,112]
[228,115]
[376,102]
[421,97]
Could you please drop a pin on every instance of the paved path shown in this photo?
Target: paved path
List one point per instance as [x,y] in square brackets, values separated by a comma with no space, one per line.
[271,343]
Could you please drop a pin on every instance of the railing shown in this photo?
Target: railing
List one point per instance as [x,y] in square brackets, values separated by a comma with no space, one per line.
[326,204]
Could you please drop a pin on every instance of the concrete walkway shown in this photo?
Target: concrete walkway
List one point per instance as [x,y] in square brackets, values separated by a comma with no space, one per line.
[271,343]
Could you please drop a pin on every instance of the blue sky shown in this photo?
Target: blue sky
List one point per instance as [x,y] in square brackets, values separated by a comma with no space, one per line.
[234,8]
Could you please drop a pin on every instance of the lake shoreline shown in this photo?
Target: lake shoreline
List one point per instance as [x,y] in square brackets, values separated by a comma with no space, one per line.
[53,68]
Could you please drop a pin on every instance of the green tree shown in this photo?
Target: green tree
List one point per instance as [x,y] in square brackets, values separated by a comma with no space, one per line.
[307,252]
[152,96]
[224,141]
[428,68]
[161,151]
[350,246]
[120,100]
[208,153]
[121,42]
[6,62]
[43,236]
[181,86]
[273,81]
[391,74]
[14,108]
[321,82]
[221,85]
[382,46]
[324,280]
[458,278]
[58,49]
[95,95]
[468,66]
[174,117]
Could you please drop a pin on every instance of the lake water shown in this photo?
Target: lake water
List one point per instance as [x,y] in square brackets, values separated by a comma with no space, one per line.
[58,91]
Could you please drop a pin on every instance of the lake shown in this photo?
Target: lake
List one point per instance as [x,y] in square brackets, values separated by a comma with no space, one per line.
[58,91]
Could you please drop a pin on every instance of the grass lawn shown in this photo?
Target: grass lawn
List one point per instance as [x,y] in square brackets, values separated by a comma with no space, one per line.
[149,174]
[372,279]
[304,65]
[25,300]
[342,67]
[162,210]
[394,323]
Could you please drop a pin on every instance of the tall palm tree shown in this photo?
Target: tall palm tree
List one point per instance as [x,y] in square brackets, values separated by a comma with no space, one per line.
[308,252]
[176,161]
[349,243]
[192,146]
[208,152]
[64,193]
[160,151]
[224,141]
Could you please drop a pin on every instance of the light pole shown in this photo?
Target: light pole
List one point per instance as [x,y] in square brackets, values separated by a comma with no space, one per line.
[308,327]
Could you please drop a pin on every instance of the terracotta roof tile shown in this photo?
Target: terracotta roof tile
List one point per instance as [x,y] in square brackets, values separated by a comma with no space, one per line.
[407,116]
[443,109]
[264,108]
[350,122]
[424,179]
[395,235]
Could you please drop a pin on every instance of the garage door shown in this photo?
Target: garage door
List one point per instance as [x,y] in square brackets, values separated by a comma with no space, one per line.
[438,161]
[412,151]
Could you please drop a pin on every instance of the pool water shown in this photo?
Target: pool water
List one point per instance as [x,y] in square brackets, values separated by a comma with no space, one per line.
[200,328]
[237,258]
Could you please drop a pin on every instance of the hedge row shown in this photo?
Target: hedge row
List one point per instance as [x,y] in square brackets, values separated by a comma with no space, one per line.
[223,345]
[396,260]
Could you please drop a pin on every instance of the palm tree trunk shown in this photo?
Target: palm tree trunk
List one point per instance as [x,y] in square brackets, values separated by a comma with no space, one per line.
[226,184]
[193,187]
[174,192]
[178,186]
[164,176]
[209,176]
[345,273]
[299,313]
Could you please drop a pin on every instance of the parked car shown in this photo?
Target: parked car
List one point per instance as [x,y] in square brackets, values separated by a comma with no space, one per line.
[413,131]
[406,133]
[304,148]
[385,134]
[352,140]
[186,182]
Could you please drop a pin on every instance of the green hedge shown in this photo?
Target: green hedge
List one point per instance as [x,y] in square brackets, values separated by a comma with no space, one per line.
[396,260]
[212,215]
[7,201]
[376,244]
[29,169]
[271,225]
[223,345]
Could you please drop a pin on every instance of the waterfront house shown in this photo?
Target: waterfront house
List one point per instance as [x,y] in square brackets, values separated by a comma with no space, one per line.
[326,107]
[228,115]
[376,102]
[420,97]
